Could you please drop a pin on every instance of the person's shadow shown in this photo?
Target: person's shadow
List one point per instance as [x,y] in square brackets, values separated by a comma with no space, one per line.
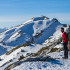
[55,61]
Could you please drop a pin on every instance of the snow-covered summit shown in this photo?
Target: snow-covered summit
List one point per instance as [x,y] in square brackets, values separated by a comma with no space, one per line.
[32,30]
[40,18]
[42,33]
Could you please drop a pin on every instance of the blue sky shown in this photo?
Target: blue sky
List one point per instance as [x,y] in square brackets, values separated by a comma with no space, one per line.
[16,12]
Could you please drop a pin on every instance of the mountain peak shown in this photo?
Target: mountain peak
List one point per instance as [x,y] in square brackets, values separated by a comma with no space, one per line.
[40,18]
[37,29]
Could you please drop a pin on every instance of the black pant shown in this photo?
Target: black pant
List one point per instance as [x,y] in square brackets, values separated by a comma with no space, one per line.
[65,49]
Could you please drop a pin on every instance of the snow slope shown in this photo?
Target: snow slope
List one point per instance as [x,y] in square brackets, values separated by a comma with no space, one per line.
[39,29]
[58,64]
[33,48]
[36,30]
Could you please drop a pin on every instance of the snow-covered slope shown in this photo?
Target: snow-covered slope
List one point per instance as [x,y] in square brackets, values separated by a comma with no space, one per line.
[56,64]
[37,30]
[40,32]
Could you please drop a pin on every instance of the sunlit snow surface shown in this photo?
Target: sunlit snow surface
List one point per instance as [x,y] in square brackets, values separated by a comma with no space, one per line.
[21,34]
[58,64]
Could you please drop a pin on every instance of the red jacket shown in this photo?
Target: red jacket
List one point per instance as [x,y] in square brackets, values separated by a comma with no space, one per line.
[64,37]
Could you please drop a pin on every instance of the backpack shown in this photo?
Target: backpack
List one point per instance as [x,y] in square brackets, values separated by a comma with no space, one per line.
[68,33]
[68,36]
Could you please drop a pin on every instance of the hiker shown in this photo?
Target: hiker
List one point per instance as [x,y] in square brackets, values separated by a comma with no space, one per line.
[65,43]
[68,31]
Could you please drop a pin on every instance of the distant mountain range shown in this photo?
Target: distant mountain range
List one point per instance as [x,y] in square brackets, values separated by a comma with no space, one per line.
[3,29]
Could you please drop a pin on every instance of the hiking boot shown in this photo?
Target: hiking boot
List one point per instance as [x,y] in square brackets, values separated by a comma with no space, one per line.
[65,57]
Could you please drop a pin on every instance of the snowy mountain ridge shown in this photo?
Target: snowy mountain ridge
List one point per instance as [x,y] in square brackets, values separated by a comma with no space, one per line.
[31,39]
[36,29]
